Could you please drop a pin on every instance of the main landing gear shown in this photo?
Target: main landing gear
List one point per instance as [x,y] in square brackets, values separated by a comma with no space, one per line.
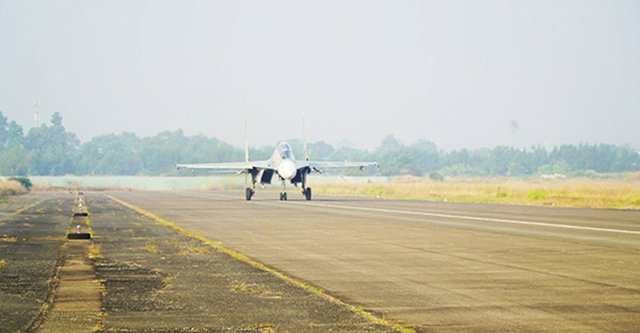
[307,193]
[249,192]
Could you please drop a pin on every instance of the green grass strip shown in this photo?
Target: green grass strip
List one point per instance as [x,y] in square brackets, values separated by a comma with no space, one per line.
[242,257]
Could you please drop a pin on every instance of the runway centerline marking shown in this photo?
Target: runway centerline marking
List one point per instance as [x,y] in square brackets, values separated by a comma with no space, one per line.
[463,217]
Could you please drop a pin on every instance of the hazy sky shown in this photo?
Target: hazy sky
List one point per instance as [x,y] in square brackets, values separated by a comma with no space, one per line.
[453,72]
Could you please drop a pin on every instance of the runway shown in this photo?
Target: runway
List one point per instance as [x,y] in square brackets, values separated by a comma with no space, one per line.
[436,266]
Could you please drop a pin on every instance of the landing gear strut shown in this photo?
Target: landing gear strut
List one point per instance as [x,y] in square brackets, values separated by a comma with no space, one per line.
[250,191]
[283,194]
[306,191]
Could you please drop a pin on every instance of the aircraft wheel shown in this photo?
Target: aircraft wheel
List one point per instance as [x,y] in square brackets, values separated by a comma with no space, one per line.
[284,196]
[249,193]
[307,193]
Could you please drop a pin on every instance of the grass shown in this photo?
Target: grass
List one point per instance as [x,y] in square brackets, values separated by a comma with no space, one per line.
[264,328]
[11,187]
[185,250]
[578,192]
[255,289]
[202,250]
[9,239]
[151,248]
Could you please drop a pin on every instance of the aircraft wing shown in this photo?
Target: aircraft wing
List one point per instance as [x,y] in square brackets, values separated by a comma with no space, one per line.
[316,165]
[228,165]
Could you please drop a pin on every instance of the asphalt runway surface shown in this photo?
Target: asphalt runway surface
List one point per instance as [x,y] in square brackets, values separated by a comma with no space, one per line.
[140,274]
[435,266]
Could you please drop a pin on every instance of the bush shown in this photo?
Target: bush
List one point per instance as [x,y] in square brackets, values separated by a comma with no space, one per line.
[24,181]
[436,176]
[11,187]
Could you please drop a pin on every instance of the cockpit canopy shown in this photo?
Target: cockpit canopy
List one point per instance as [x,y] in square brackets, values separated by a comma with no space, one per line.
[284,150]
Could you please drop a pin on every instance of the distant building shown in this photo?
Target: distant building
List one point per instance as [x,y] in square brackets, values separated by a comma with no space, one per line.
[553,176]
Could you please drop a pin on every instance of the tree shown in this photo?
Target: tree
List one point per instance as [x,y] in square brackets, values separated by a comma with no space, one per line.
[15,135]
[53,148]
[15,161]
[10,133]
[110,154]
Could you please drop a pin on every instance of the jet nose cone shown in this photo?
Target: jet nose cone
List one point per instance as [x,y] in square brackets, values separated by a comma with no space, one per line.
[287,170]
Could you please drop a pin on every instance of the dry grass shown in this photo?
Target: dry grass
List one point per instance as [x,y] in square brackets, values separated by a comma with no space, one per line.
[9,239]
[11,187]
[617,193]
[151,248]
[255,288]
[202,250]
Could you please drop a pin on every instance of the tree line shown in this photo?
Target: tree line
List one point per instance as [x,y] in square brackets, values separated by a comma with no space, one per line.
[50,149]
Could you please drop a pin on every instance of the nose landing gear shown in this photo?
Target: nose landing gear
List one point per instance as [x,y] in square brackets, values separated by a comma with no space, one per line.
[283,194]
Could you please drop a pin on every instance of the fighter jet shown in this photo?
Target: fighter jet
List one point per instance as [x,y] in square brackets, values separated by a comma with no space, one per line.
[283,164]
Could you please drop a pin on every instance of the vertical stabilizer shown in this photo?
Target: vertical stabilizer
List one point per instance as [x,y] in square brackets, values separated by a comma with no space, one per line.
[305,152]
[246,141]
